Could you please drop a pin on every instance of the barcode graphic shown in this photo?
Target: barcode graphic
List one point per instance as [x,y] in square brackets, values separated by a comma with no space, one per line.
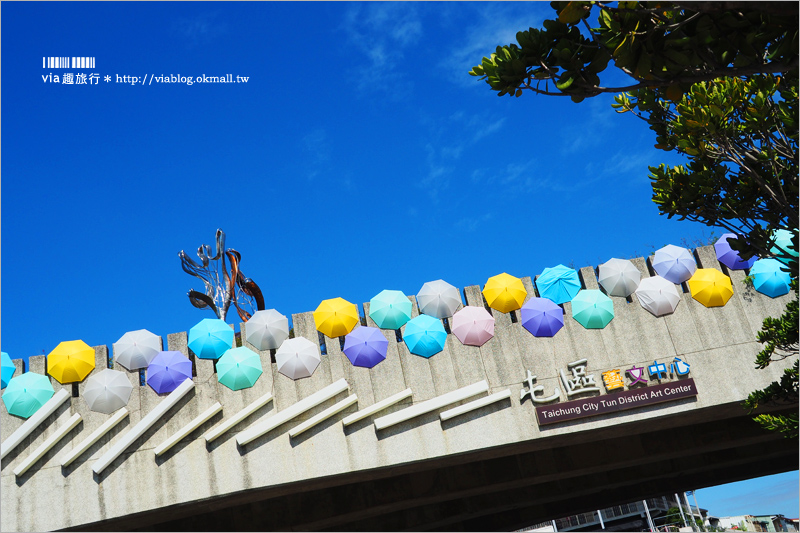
[68,62]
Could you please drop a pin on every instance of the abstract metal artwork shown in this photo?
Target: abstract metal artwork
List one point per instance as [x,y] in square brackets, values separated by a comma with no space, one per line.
[223,285]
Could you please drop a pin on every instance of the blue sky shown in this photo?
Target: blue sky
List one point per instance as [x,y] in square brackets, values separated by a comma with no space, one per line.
[359,156]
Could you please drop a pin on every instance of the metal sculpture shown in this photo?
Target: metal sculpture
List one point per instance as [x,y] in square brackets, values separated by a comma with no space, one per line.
[221,286]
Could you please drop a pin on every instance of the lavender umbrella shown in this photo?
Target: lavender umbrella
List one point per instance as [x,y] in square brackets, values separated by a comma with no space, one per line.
[473,325]
[674,263]
[167,370]
[730,257]
[365,346]
[542,317]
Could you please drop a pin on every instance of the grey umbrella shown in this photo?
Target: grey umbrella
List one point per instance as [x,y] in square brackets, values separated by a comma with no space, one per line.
[107,390]
[136,349]
[267,329]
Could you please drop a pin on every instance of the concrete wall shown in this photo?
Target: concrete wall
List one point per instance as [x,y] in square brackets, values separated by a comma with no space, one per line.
[718,343]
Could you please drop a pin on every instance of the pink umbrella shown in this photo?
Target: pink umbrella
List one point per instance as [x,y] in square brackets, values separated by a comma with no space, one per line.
[473,325]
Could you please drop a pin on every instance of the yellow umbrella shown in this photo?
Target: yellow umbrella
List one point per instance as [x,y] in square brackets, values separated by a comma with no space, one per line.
[504,292]
[70,361]
[710,287]
[336,317]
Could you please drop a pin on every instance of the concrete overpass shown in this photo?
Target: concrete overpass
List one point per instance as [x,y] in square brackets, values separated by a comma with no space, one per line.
[493,468]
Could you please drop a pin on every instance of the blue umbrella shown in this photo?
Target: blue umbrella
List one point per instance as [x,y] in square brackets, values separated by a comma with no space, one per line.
[7,369]
[425,335]
[366,346]
[783,239]
[769,279]
[167,370]
[542,317]
[210,338]
[730,257]
[390,309]
[559,283]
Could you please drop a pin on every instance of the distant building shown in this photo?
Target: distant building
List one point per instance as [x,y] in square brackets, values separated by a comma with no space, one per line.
[742,522]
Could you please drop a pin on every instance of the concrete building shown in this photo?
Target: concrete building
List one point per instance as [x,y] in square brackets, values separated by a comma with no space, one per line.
[501,466]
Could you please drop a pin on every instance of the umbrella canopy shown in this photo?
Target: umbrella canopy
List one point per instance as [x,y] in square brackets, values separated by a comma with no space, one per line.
[769,279]
[710,287]
[70,361]
[674,263]
[26,393]
[336,317]
[107,390]
[136,349]
[592,308]
[783,239]
[297,358]
[542,317]
[7,369]
[504,292]
[730,257]
[658,295]
[473,325]
[390,309]
[438,299]
[210,337]
[267,329]
[366,346]
[239,368]
[619,277]
[559,283]
[167,370]
[425,335]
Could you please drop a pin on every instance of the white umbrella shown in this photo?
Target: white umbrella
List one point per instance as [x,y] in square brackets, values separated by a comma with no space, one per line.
[438,299]
[619,277]
[674,263]
[136,349]
[297,358]
[107,391]
[267,329]
[658,295]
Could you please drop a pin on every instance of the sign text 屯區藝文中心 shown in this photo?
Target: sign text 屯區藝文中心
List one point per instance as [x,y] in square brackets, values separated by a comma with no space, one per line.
[610,403]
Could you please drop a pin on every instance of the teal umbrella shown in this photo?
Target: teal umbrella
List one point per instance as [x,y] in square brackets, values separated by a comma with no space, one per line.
[425,335]
[210,337]
[592,308]
[239,368]
[390,309]
[7,369]
[559,283]
[25,394]
[783,239]
[769,279]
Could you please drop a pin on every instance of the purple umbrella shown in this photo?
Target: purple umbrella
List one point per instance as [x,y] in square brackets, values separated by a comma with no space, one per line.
[730,257]
[542,317]
[167,370]
[365,346]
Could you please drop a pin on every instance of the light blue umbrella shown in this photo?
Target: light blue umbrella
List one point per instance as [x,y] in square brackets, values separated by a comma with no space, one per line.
[25,394]
[783,239]
[210,337]
[239,368]
[390,309]
[559,283]
[769,279]
[674,263]
[425,335]
[592,308]
[7,369]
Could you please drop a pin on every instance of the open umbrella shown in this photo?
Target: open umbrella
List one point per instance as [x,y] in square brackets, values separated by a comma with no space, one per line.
[619,277]
[425,335]
[769,279]
[658,295]
[504,292]
[297,358]
[167,370]
[473,325]
[783,239]
[210,337]
[592,309]
[336,317]
[710,287]
[107,390]
[674,263]
[136,349]
[70,361]
[26,393]
[730,257]
[366,346]
[7,369]
[390,309]
[559,283]
[438,299]
[267,329]
[239,368]
[542,317]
